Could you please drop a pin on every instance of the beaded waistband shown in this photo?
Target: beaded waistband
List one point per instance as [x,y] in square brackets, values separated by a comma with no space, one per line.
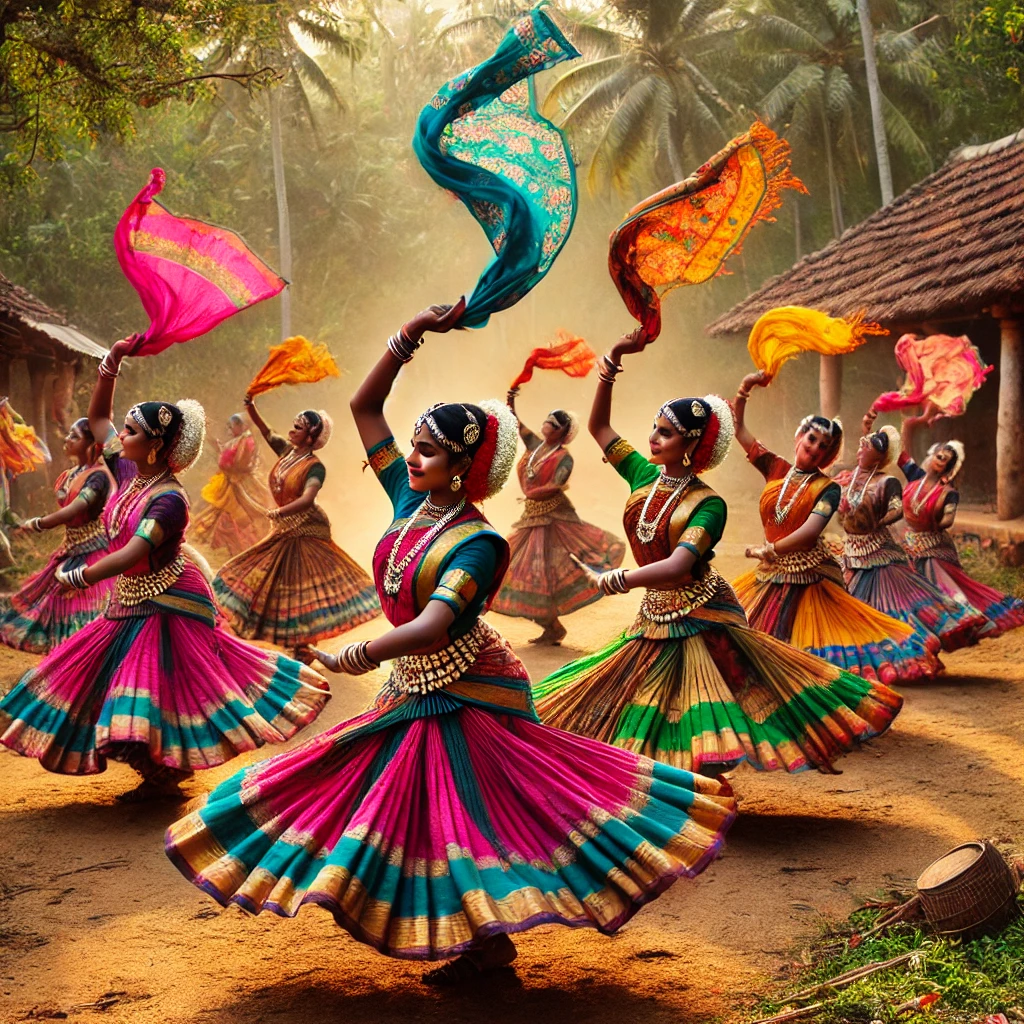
[801,567]
[133,590]
[533,509]
[78,536]
[673,604]
[423,673]
[859,545]
[311,522]
[929,544]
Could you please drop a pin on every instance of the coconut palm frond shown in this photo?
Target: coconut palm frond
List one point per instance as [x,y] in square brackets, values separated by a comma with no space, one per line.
[331,35]
[596,104]
[623,140]
[904,139]
[840,94]
[577,80]
[313,77]
[801,81]
[770,30]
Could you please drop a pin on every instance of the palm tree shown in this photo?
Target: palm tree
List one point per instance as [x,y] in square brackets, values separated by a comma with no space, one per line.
[811,56]
[291,37]
[656,89]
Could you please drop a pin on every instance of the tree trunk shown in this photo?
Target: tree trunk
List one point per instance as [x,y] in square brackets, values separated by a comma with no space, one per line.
[796,229]
[1010,422]
[834,198]
[284,228]
[830,385]
[875,98]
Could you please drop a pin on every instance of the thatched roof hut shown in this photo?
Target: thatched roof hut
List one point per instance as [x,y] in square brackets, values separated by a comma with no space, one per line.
[52,351]
[947,254]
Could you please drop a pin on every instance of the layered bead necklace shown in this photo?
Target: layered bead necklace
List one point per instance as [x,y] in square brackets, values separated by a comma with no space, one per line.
[647,528]
[139,485]
[856,502]
[530,471]
[918,503]
[783,510]
[288,462]
[394,571]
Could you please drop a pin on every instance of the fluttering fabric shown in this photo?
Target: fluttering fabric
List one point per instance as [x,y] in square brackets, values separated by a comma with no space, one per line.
[572,355]
[685,233]
[190,275]
[785,332]
[482,138]
[22,450]
[295,361]
[940,369]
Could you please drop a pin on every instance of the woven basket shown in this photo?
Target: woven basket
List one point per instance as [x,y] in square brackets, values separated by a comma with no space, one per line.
[969,891]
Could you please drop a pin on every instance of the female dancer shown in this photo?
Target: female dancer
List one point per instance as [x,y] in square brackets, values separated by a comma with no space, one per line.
[543,582]
[929,503]
[875,566]
[797,592]
[154,681]
[690,683]
[43,614]
[296,586]
[235,516]
[446,817]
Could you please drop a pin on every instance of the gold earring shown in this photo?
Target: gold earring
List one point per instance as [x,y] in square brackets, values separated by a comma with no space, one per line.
[456,482]
[686,459]
[151,457]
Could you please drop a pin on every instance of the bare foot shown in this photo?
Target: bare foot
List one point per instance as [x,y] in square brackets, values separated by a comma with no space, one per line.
[146,791]
[553,635]
[492,954]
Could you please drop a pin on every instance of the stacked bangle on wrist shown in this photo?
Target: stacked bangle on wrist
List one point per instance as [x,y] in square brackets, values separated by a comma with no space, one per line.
[354,660]
[72,577]
[608,370]
[613,582]
[402,347]
[109,367]
[35,524]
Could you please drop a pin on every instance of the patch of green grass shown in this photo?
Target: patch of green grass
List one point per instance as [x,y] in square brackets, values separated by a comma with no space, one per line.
[984,566]
[973,979]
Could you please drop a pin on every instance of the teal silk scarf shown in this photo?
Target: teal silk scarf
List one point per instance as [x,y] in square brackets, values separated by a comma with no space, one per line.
[482,138]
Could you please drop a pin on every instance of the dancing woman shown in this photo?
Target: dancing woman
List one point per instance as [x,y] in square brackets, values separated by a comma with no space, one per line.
[154,681]
[43,614]
[875,566]
[690,683]
[797,592]
[296,586]
[543,582]
[446,817]
[235,515]
[929,503]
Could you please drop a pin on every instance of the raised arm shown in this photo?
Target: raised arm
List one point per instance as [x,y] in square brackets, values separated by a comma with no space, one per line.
[257,420]
[599,424]
[367,404]
[101,404]
[510,400]
[743,435]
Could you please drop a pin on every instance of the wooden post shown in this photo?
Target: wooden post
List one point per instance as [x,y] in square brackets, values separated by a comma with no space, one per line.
[5,376]
[1010,423]
[830,385]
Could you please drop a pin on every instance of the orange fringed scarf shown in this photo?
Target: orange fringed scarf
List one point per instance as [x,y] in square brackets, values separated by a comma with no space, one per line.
[295,361]
[21,448]
[685,233]
[785,332]
[572,355]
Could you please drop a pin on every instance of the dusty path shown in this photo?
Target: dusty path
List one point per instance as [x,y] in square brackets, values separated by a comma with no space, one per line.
[92,914]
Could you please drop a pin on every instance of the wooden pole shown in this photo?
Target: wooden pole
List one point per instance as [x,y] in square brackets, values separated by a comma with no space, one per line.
[1010,422]
[830,385]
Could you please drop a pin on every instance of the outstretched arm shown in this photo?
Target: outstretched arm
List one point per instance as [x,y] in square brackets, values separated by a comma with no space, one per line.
[510,400]
[599,425]
[257,420]
[300,504]
[801,539]
[101,404]
[367,404]
[743,434]
[72,510]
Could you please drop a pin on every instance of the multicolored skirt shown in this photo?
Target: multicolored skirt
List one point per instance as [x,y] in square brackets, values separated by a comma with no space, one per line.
[42,614]
[903,594]
[820,617]
[234,524]
[296,586]
[162,677]
[702,691]
[431,822]
[542,581]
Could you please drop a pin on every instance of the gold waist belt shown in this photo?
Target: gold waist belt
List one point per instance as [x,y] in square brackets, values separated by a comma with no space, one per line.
[535,509]
[663,606]
[423,673]
[860,545]
[800,566]
[132,590]
[310,523]
[929,544]
[76,536]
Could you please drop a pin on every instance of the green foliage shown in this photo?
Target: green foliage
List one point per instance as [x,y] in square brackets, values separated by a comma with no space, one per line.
[77,70]
[984,566]
[975,978]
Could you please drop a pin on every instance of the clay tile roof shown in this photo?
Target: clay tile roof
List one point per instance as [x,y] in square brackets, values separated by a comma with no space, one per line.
[20,304]
[951,244]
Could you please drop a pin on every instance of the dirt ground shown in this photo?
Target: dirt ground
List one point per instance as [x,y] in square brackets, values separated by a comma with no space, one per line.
[95,922]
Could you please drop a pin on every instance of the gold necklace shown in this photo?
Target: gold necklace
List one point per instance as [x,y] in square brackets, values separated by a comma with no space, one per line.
[646,528]
[530,471]
[782,511]
[393,571]
[139,485]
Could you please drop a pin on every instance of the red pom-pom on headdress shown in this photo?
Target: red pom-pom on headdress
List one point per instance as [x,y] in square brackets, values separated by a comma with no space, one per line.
[476,482]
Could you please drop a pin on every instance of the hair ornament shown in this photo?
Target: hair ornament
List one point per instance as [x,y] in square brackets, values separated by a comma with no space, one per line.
[165,416]
[959,453]
[697,409]
[187,445]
